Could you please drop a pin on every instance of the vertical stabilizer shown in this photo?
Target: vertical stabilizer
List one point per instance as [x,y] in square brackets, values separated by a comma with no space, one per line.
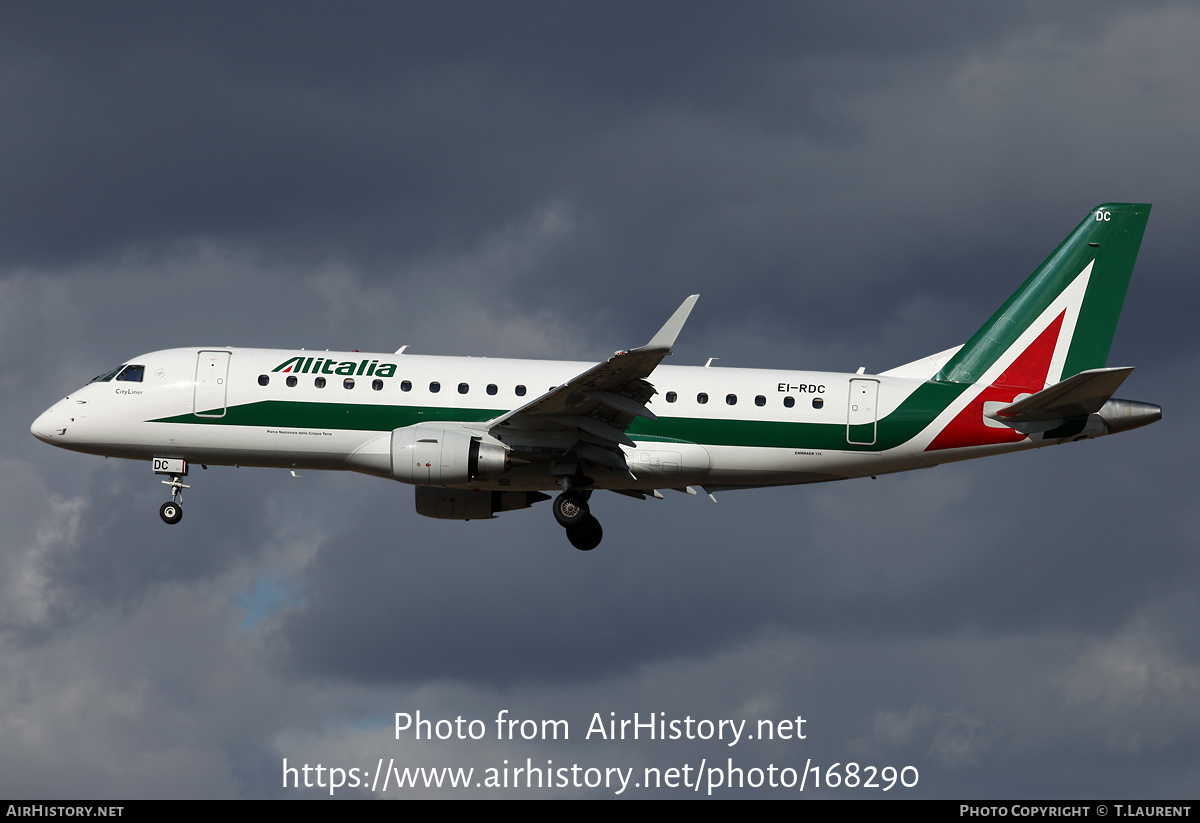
[1065,314]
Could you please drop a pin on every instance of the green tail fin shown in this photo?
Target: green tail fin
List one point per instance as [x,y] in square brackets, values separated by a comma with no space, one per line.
[1084,282]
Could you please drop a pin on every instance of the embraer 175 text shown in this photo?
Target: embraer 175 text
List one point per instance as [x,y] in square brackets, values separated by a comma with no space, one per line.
[479,436]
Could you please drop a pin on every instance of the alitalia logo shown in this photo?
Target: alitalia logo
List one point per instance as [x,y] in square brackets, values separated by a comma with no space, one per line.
[326,365]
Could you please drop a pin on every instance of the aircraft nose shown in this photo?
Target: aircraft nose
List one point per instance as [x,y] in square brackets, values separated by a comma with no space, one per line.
[43,427]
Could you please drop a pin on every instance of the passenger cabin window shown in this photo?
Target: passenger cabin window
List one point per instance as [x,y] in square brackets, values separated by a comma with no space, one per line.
[818,402]
[731,399]
[672,397]
[702,398]
[463,388]
[435,387]
[348,383]
[760,400]
[319,382]
[492,388]
[377,385]
[789,401]
[291,381]
[520,391]
[405,385]
[263,380]
[132,374]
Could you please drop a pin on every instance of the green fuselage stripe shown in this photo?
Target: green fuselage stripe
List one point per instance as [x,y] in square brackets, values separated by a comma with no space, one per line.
[298,414]
[913,415]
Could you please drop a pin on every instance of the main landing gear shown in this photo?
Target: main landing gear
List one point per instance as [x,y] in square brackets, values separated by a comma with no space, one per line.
[572,513]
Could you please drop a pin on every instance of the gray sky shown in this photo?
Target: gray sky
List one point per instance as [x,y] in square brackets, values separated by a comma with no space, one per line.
[845,185]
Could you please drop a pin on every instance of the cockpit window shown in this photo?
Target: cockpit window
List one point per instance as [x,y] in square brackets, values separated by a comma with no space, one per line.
[104,378]
[132,374]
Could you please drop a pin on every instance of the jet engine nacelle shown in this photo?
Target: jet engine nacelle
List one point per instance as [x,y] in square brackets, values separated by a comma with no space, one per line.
[471,504]
[445,454]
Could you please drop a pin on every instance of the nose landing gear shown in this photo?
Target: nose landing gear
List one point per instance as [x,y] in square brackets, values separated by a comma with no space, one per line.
[172,511]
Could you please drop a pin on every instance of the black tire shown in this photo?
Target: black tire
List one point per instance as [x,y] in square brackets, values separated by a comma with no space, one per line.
[171,512]
[586,535]
[570,509]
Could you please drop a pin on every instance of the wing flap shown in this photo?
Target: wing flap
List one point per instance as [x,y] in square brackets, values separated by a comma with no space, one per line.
[591,425]
[601,455]
[623,404]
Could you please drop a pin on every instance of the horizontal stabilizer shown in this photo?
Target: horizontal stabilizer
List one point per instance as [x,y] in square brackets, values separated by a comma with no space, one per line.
[1085,393]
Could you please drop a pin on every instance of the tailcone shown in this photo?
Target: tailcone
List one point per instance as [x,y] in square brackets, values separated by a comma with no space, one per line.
[1122,415]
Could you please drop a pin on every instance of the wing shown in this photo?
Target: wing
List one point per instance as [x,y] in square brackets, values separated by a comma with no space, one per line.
[586,418]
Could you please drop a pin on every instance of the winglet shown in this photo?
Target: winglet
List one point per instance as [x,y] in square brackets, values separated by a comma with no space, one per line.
[665,339]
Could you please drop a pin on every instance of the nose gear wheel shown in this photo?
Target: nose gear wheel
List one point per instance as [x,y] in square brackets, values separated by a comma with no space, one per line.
[171,512]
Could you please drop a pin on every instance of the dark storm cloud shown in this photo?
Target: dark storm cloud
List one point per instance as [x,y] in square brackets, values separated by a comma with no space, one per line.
[700,143]
[846,185]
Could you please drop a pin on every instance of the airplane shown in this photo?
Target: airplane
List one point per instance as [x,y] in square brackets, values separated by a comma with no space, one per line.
[480,436]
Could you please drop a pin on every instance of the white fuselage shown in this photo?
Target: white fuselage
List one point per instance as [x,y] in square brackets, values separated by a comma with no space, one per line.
[718,427]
